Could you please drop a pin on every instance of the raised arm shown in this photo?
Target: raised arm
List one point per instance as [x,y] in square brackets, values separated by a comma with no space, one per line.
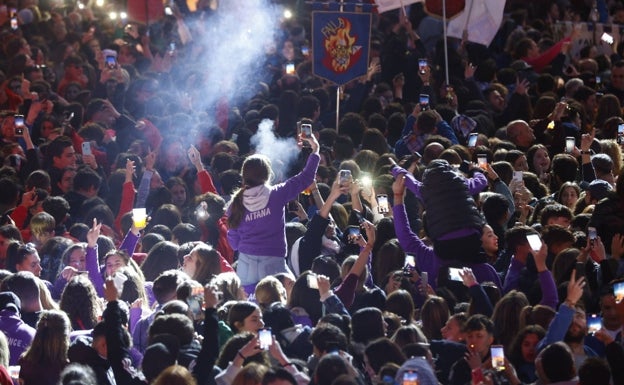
[426,260]
[203,176]
[210,345]
[127,194]
[560,324]
[92,258]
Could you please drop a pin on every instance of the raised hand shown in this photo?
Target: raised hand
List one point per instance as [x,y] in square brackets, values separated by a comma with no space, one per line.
[93,233]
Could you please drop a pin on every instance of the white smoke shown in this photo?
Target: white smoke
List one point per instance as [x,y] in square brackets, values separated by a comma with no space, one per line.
[234,41]
[281,151]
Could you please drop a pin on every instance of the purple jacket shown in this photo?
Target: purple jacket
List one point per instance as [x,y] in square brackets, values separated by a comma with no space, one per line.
[262,232]
[18,333]
[426,259]
[547,283]
[96,273]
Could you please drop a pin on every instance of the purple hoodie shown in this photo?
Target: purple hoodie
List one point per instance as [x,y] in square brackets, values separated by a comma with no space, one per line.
[19,335]
[262,231]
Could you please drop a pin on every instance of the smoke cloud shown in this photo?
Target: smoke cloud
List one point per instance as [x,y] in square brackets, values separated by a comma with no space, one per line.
[281,151]
[233,43]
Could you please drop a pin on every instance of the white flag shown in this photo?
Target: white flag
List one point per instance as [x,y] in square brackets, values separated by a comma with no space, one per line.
[481,19]
[388,5]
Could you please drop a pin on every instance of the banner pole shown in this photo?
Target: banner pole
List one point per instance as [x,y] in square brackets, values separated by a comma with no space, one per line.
[445,41]
[468,20]
[337,107]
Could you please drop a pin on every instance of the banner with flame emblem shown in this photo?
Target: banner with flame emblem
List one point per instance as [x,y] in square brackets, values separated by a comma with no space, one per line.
[340,42]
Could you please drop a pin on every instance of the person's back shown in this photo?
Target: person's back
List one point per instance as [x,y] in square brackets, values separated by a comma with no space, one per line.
[256,216]
[18,333]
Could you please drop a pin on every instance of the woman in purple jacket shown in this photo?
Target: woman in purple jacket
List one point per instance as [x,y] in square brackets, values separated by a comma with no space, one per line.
[256,216]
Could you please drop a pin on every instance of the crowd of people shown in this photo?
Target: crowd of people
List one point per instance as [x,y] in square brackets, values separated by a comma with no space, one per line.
[455,228]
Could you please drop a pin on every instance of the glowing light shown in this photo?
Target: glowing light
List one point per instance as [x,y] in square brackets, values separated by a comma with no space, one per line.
[366,181]
[123,15]
[113,15]
[99,3]
[287,14]
[80,5]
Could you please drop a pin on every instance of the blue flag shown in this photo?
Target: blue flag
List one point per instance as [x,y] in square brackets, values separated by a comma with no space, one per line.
[340,42]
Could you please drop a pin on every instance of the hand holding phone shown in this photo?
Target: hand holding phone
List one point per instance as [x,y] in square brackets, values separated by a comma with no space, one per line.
[498,357]
[265,337]
[382,204]
[312,281]
[472,140]
[594,323]
[306,130]
[353,234]
[534,241]
[345,177]
[19,125]
[86,148]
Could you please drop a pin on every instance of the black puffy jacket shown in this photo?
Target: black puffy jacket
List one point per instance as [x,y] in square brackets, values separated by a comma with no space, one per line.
[447,200]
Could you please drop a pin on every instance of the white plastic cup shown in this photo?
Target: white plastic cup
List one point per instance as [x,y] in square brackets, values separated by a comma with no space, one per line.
[139,217]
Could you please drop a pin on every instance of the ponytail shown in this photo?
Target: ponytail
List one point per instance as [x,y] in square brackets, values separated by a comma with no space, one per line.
[236,209]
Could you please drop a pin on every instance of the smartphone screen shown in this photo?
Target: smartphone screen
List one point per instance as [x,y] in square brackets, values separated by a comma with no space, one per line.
[19,120]
[382,203]
[424,101]
[306,130]
[591,233]
[618,291]
[410,261]
[570,143]
[111,62]
[86,148]
[196,302]
[454,274]
[517,176]
[482,161]
[353,234]
[534,241]
[594,323]
[422,65]
[290,68]
[472,140]
[265,338]
[621,129]
[312,281]
[498,357]
[410,378]
[345,176]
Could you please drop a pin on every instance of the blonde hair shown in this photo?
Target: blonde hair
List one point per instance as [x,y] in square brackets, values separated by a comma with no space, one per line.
[175,375]
[229,284]
[41,224]
[47,303]
[250,374]
[51,341]
[612,148]
[270,290]
[4,351]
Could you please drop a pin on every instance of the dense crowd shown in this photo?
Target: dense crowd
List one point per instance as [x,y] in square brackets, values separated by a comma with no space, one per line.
[166,222]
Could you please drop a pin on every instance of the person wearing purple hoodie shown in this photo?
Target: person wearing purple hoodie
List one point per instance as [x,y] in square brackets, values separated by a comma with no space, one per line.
[256,216]
[19,334]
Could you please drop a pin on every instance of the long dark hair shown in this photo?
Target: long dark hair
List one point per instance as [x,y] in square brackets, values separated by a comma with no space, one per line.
[256,171]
